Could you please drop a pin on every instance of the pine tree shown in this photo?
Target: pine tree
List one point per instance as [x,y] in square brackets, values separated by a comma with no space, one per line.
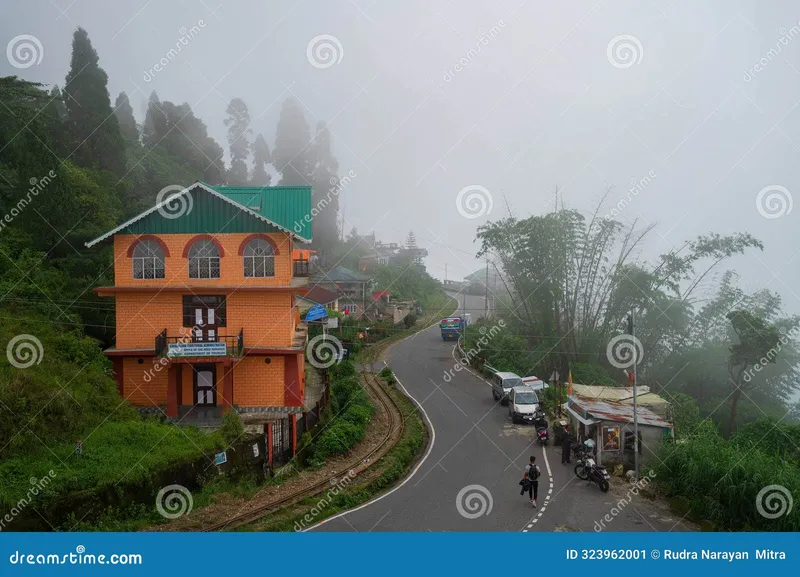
[94,132]
[292,154]
[325,192]
[261,158]
[411,241]
[154,122]
[124,113]
[238,123]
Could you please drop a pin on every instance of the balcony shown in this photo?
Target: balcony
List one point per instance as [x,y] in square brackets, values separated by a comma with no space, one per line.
[301,268]
[189,346]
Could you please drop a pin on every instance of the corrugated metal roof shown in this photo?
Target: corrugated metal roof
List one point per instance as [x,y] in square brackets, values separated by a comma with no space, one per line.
[618,412]
[287,208]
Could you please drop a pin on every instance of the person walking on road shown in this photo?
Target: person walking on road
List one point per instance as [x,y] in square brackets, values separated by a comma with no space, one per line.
[531,480]
[566,442]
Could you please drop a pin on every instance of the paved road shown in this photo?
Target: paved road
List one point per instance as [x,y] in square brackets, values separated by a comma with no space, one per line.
[476,444]
[475,305]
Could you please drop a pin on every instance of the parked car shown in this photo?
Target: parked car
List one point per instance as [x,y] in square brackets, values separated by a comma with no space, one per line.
[535,383]
[523,405]
[502,383]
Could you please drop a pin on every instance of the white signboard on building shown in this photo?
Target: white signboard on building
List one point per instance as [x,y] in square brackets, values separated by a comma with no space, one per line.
[213,349]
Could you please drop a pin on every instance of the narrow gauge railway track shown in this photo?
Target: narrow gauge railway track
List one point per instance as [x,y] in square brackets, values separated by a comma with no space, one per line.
[393,435]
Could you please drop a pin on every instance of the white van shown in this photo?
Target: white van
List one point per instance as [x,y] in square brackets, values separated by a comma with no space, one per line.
[535,383]
[502,383]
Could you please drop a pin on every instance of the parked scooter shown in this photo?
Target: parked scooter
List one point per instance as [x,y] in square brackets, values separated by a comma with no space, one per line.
[540,422]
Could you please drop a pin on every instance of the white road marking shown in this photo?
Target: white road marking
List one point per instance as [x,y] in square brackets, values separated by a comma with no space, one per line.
[407,479]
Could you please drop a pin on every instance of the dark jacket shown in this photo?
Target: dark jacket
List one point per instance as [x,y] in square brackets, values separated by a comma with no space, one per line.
[566,441]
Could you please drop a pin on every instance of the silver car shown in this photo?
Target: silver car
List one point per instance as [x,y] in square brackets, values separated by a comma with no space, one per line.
[502,383]
[522,404]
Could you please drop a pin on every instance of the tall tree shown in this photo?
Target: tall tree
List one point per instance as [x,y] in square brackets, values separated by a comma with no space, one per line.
[756,346]
[325,189]
[154,121]
[94,132]
[411,240]
[124,113]
[261,158]
[238,123]
[292,155]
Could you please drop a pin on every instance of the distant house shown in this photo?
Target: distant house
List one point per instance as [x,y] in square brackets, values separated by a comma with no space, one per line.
[353,287]
[318,296]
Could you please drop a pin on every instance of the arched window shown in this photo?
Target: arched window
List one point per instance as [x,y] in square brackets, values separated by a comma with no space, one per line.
[259,259]
[203,259]
[148,260]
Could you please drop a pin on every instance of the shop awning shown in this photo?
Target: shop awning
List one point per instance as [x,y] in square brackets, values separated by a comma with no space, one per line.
[581,419]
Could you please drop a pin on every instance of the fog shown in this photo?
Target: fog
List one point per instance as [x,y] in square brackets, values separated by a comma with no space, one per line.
[697,104]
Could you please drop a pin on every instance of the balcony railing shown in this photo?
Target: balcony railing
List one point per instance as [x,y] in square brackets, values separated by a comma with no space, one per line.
[301,268]
[199,346]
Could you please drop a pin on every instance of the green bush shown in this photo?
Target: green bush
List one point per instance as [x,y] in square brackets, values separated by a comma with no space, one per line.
[232,428]
[388,375]
[337,439]
[358,414]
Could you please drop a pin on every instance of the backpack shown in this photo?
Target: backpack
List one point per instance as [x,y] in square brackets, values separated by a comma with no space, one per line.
[533,473]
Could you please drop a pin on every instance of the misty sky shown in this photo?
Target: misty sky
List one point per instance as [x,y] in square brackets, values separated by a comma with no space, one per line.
[540,106]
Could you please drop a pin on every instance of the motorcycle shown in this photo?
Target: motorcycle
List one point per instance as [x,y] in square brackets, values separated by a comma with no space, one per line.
[540,422]
[588,470]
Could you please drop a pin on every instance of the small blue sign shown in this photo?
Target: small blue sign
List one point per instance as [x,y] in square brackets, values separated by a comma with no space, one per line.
[316,312]
[221,458]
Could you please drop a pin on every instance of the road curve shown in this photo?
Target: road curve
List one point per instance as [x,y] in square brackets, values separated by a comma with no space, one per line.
[478,452]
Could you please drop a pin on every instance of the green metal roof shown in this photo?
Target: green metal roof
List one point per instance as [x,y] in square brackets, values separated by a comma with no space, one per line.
[223,209]
[287,206]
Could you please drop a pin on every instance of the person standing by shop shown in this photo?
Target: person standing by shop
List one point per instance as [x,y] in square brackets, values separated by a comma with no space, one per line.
[566,445]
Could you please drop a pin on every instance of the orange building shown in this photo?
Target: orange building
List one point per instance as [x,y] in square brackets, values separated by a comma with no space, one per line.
[205,287]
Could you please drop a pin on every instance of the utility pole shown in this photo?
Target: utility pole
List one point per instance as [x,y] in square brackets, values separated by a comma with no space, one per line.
[632,331]
[445,275]
[486,292]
